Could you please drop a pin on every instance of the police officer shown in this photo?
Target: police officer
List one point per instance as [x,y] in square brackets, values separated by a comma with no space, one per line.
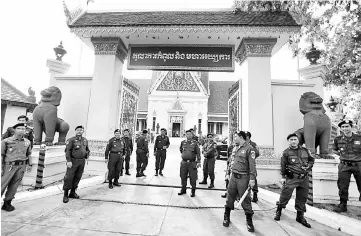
[296,162]
[209,153]
[29,134]
[243,174]
[128,151]
[76,151]
[15,158]
[229,154]
[348,146]
[160,151]
[190,162]
[115,151]
[142,154]
[255,148]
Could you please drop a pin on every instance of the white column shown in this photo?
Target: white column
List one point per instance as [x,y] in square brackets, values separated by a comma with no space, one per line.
[317,74]
[56,68]
[254,56]
[107,81]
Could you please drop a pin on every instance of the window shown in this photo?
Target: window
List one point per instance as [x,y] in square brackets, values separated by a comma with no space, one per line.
[199,126]
[219,127]
[137,125]
[210,127]
[153,126]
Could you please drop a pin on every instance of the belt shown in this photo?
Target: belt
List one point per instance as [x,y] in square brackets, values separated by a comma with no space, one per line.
[116,152]
[350,163]
[160,149]
[238,176]
[301,176]
[189,160]
[18,163]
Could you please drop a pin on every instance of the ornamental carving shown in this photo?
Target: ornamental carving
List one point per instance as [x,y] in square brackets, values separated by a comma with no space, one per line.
[178,81]
[97,148]
[255,47]
[177,106]
[233,89]
[110,46]
[128,114]
[268,157]
[131,86]
[233,120]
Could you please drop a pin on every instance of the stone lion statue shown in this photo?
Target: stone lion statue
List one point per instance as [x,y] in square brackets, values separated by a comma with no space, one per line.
[317,125]
[45,118]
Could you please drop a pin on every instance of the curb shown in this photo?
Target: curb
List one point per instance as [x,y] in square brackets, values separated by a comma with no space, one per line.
[328,218]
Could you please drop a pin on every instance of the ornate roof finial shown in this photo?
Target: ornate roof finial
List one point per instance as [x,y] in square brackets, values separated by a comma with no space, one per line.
[67,13]
[59,51]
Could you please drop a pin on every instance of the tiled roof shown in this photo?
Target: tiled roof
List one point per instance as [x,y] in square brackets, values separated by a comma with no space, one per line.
[11,94]
[261,18]
[144,85]
[218,99]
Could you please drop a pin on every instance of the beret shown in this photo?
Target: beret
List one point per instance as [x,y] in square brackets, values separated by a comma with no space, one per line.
[190,130]
[23,116]
[292,135]
[18,125]
[117,130]
[345,122]
[209,135]
[79,127]
[163,129]
[126,130]
[145,131]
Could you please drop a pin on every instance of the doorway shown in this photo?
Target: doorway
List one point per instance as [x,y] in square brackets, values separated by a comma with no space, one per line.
[176,129]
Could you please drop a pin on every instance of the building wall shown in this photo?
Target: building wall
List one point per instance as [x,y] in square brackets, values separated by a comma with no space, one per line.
[11,115]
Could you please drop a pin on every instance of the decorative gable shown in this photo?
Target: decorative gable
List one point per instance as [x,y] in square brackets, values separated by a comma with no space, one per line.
[178,81]
[177,106]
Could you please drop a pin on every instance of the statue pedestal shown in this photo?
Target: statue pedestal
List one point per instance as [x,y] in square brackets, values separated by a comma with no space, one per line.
[325,175]
[56,68]
[55,165]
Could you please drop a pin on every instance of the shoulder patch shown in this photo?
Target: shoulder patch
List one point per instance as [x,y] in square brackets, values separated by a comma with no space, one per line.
[253,155]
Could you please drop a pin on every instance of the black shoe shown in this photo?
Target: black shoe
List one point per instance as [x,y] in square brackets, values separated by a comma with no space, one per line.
[301,219]
[193,194]
[204,181]
[255,198]
[342,207]
[65,199]
[249,221]
[117,184]
[138,175]
[161,174]
[278,213]
[73,195]
[156,173]
[110,185]
[182,192]
[7,206]
[224,195]
[142,174]
[227,216]
[212,184]
[127,172]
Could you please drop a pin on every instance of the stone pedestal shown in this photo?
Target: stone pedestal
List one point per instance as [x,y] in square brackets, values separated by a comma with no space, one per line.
[55,165]
[316,74]
[56,68]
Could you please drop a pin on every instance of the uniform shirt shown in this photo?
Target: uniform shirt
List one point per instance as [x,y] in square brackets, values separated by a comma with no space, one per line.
[160,142]
[143,144]
[29,134]
[243,160]
[290,158]
[15,149]
[349,148]
[76,147]
[128,145]
[255,148]
[209,149]
[190,150]
[115,146]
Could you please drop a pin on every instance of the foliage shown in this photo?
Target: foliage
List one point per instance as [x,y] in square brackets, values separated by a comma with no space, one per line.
[333,26]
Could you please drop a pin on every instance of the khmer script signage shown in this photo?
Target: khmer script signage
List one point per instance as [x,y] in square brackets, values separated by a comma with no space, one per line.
[176,119]
[181,57]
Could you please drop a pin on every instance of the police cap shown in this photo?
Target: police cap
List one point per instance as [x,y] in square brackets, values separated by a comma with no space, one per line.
[163,129]
[189,131]
[209,135]
[292,135]
[145,131]
[126,130]
[79,127]
[248,134]
[23,116]
[18,125]
[345,122]
[241,134]
[117,130]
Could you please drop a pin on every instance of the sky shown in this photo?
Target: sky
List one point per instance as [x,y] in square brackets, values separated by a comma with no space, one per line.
[31,29]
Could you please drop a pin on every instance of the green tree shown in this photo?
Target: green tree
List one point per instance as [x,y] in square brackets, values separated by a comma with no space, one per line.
[334,26]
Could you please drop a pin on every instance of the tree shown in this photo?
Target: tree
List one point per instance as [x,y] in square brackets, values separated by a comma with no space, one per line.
[334,26]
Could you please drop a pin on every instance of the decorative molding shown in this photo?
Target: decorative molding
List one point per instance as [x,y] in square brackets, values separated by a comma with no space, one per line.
[255,47]
[110,46]
[97,147]
[233,119]
[128,115]
[30,107]
[72,16]
[131,86]
[267,156]
[178,81]
[177,106]
[233,89]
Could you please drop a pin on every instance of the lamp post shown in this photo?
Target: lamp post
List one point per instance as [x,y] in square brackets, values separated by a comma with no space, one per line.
[59,51]
[332,104]
[158,126]
[313,55]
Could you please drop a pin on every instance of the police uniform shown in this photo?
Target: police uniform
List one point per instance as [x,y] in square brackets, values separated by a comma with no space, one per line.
[29,134]
[115,151]
[128,152]
[76,151]
[15,153]
[188,166]
[255,187]
[142,152]
[161,154]
[349,149]
[296,178]
[209,153]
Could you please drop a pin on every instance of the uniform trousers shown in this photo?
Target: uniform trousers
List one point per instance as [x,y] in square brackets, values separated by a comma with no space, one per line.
[142,160]
[114,166]
[208,167]
[344,176]
[188,168]
[301,186]
[127,160]
[160,159]
[11,177]
[237,186]
[73,175]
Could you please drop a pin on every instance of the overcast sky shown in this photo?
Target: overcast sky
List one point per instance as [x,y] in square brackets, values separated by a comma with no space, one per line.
[32,28]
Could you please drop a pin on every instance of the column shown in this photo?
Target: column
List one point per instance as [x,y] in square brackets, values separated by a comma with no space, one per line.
[254,56]
[316,74]
[107,81]
[56,68]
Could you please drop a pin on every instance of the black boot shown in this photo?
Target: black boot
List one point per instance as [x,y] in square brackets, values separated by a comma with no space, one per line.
[7,206]
[73,194]
[255,197]
[111,184]
[193,193]
[278,213]
[160,173]
[342,207]
[212,184]
[156,172]
[183,191]
[142,174]
[301,219]
[227,216]
[138,174]
[204,180]
[224,195]
[127,172]
[66,197]
[249,220]
[116,183]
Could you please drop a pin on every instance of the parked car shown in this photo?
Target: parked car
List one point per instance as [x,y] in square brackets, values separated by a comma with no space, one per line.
[222,147]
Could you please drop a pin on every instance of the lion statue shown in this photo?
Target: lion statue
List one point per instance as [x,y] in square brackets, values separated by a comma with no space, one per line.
[45,118]
[317,125]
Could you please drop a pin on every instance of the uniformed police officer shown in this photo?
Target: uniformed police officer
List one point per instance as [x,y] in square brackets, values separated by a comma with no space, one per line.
[76,151]
[115,151]
[29,134]
[255,148]
[209,153]
[160,151]
[348,146]
[243,174]
[142,154]
[190,162]
[229,154]
[128,151]
[15,158]
[296,162]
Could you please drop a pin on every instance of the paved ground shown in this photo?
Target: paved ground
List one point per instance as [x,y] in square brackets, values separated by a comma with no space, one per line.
[147,210]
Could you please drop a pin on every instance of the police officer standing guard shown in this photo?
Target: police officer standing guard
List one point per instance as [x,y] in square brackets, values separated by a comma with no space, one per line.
[15,158]
[160,151]
[115,151]
[255,148]
[29,134]
[128,151]
[296,162]
[76,151]
[142,154]
[348,146]
[243,173]
[191,161]
[209,151]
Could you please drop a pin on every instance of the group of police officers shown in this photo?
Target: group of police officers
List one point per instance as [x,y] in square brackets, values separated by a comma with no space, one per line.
[241,173]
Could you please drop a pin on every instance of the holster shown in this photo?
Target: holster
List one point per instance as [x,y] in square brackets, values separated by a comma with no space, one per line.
[289,173]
